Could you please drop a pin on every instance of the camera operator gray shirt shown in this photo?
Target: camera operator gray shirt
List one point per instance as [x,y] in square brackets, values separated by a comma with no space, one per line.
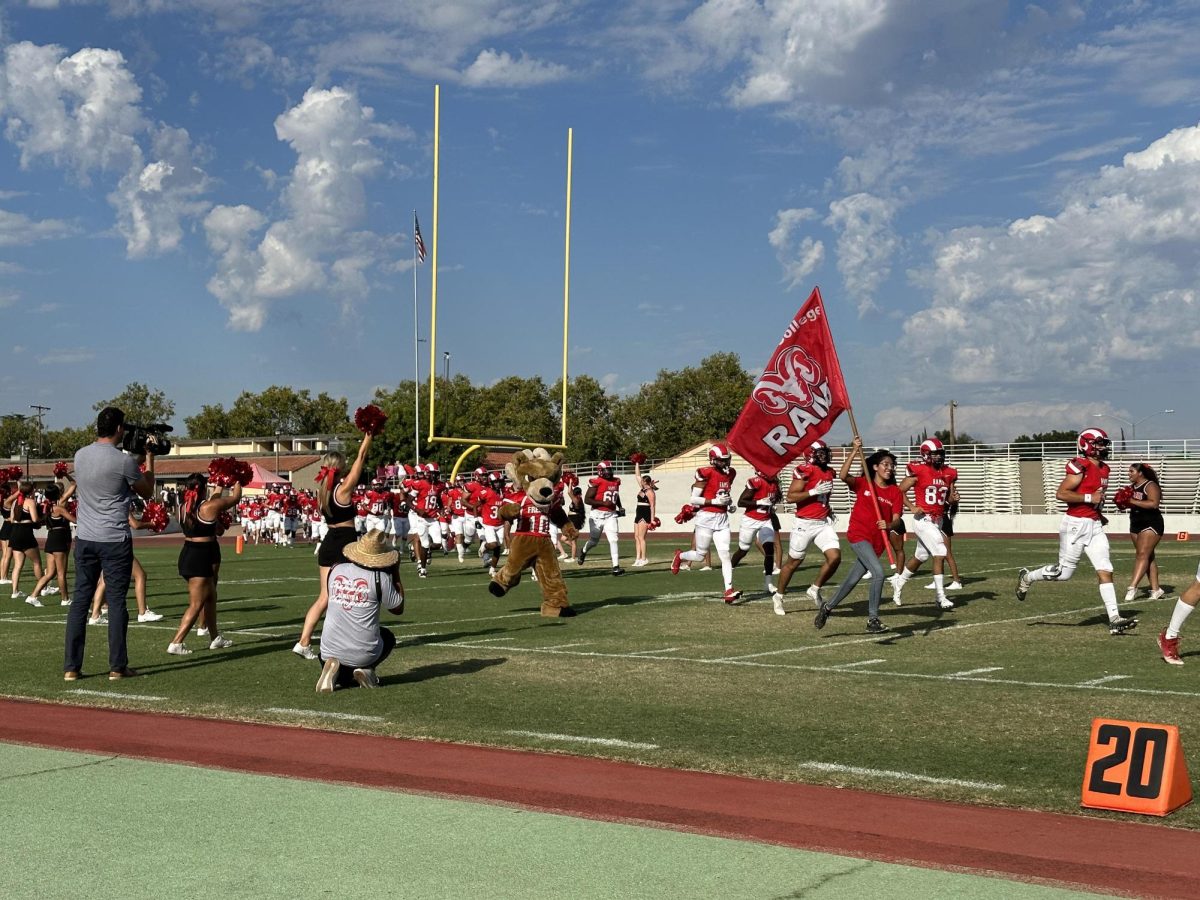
[103,477]
[351,630]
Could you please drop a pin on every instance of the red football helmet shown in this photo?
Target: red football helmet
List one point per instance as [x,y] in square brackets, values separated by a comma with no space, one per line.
[932,452]
[720,457]
[1094,442]
[605,469]
[481,475]
[818,454]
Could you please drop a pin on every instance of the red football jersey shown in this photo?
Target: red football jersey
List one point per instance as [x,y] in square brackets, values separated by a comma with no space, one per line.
[427,503]
[379,502]
[489,509]
[810,476]
[1095,481]
[531,519]
[716,486]
[932,488]
[607,491]
[766,495]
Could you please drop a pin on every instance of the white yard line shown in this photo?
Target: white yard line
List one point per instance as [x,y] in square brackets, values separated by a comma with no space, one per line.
[900,776]
[659,650]
[970,672]
[1104,680]
[565,646]
[576,739]
[147,697]
[861,662]
[321,713]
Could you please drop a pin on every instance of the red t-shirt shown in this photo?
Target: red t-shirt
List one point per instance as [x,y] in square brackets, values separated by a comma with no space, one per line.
[863,516]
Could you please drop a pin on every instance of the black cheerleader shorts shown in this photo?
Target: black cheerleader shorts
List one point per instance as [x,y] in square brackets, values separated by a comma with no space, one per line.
[22,538]
[58,540]
[197,558]
[332,545]
[5,530]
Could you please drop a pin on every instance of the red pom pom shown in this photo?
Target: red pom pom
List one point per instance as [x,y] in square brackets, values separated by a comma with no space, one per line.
[155,516]
[637,458]
[60,470]
[686,514]
[655,523]
[72,505]
[224,520]
[370,419]
[227,471]
[1122,497]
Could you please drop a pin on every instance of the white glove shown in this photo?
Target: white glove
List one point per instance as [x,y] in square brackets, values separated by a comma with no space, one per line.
[820,489]
[723,498]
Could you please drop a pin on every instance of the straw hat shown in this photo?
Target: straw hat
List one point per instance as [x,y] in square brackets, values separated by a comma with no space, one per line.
[371,551]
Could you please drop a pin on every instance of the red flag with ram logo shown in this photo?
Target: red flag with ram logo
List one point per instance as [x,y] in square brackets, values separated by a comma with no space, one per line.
[798,397]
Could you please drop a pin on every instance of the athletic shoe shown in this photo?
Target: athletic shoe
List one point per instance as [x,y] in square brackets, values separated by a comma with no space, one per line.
[220,643]
[821,617]
[19,595]
[581,558]
[776,570]
[815,592]
[50,590]
[422,572]
[945,603]
[954,586]
[101,619]
[732,596]
[1169,648]
[677,562]
[1023,583]
[366,678]
[777,602]
[1120,625]
[307,652]
[326,682]
[617,570]
[768,585]
[201,632]
[179,649]
[65,601]
[126,672]
[874,626]
[706,568]
[1130,594]
[149,616]
[1158,595]
[491,571]
[33,601]
[897,588]
[5,581]
[867,576]
[562,556]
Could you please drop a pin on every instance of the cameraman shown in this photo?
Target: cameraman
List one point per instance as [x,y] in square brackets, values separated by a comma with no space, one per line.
[107,479]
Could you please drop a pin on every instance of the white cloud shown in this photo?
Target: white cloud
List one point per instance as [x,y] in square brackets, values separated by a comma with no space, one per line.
[988,422]
[798,258]
[1089,293]
[492,69]
[315,245]
[866,244]
[66,356]
[19,230]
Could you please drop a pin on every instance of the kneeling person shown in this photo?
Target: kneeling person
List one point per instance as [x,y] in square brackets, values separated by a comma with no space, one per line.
[352,642]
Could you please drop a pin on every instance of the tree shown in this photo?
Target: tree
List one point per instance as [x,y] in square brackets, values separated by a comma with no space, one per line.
[275,410]
[961,438]
[63,443]
[591,426]
[1047,437]
[211,422]
[16,431]
[141,405]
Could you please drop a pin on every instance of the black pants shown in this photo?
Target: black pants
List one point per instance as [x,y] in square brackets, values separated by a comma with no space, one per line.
[115,560]
[345,675]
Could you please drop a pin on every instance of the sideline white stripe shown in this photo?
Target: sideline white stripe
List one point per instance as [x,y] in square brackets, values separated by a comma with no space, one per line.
[328,715]
[660,650]
[605,742]
[565,646]
[1103,680]
[901,776]
[147,697]
[975,672]
[861,662]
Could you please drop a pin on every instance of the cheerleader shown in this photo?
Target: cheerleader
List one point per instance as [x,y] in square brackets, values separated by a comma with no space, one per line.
[59,520]
[25,517]
[335,497]
[644,513]
[200,557]
[6,500]
[1146,527]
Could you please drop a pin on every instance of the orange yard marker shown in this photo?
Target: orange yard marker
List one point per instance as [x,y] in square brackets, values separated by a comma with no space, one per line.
[1135,767]
[1182,536]
[239,544]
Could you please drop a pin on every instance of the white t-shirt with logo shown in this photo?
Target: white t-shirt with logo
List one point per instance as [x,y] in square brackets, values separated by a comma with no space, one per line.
[351,630]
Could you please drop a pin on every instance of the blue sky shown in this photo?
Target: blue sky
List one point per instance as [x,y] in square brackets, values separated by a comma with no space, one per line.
[1001,202]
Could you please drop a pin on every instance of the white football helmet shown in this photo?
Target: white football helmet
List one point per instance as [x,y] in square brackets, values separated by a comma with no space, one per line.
[720,457]
[1094,442]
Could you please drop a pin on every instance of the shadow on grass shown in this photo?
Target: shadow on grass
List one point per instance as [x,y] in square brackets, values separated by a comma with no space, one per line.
[1100,618]
[442,670]
[591,605]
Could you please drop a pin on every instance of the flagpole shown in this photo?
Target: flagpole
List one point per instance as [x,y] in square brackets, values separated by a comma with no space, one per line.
[887,544]
[416,355]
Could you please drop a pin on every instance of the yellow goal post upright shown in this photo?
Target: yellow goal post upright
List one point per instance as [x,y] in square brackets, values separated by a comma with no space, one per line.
[475,443]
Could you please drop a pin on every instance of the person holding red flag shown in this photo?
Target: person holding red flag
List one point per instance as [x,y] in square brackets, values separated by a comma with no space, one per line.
[712,498]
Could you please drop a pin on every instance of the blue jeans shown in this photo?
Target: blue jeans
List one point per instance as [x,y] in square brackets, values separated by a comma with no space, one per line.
[865,560]
[115,560]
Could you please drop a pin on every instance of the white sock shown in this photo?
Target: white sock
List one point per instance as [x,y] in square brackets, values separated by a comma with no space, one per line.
[1108,593]
[691,555]
[612,552]
[461,548]
[1038,574]
[1178,617]
[904,574]
[939,584]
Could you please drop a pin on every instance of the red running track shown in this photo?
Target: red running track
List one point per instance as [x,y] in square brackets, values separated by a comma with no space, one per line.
[1133,858]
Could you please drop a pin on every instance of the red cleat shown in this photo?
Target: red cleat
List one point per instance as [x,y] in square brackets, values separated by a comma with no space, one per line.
[732,596]
[1169,648]
[677,562]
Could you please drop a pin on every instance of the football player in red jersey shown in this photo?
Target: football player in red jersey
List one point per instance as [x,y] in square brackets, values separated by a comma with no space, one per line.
[710,503]
[931,482]
[604,497]
[1082,528]
[379,507]
[758,499]
[486,501]
[425,507]
[810,490]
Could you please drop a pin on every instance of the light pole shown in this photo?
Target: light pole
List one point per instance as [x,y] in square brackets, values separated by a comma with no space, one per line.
[276,452]
[446,365]
[1133,425]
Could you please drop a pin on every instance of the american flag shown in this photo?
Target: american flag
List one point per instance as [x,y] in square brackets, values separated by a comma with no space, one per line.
[417,239]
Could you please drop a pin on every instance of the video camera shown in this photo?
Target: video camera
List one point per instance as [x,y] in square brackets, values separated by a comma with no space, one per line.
[138,438]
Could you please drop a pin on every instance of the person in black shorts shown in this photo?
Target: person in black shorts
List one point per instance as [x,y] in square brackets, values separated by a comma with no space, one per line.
[1146,527]
[644,512]
[58,542]
[25,517]
[335,496]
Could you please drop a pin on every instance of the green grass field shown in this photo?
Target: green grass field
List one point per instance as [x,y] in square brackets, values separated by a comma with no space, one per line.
[988,703]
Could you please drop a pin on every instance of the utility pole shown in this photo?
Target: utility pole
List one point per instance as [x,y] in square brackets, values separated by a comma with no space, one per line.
[41,410]
[953,433]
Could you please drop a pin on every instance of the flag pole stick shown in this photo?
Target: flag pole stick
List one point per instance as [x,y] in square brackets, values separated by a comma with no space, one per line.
[416,356]
[887,544]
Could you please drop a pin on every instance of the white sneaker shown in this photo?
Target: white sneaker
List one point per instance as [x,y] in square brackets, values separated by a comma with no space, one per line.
[706,568]
[777,602]
[307,652]
[65,601]
[776,570]
[1157,595]
[768,585]
[5,581]
[220,643]
[53,589]
[815,592]
[179,649]
[897,588]
[954,586]
[867,576]
[945,603]
[328,679]
[366,678]
[149,616]
[1130,594]
[201,632]
[19,595]
[931,586]
[101,619]
[33,601]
